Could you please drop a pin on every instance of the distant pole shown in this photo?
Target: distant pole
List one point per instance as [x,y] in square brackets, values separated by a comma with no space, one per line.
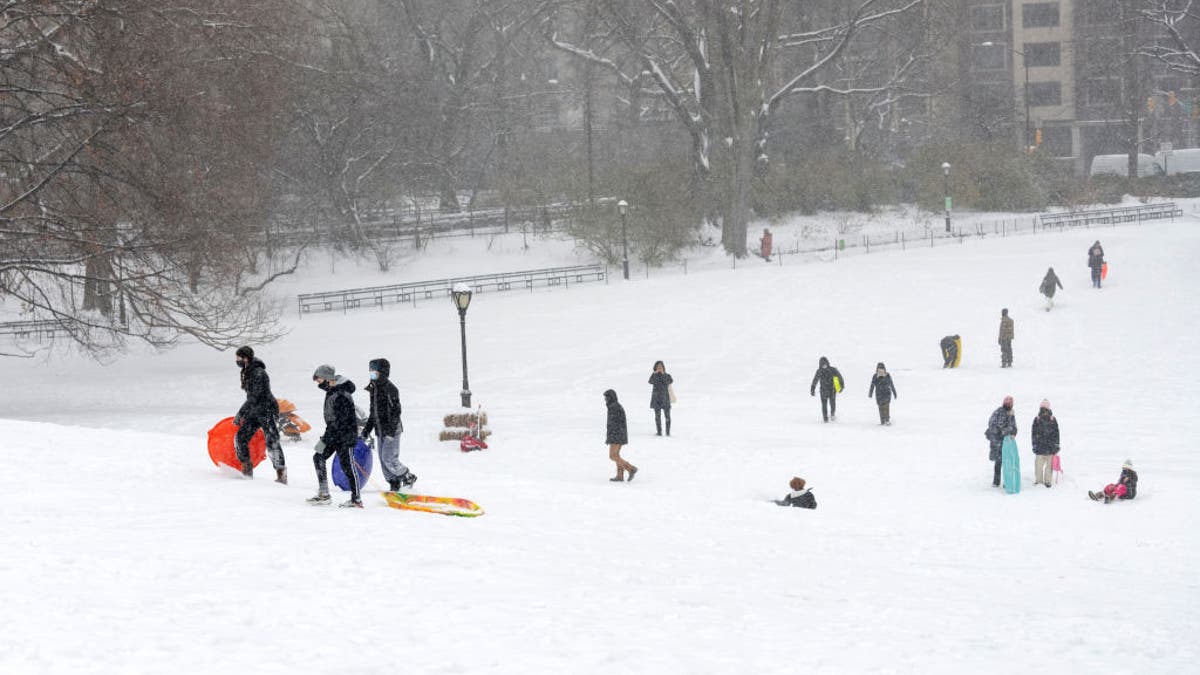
[946,191]
[623,206]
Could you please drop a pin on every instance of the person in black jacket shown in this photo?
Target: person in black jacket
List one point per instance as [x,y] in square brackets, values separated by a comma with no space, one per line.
[883,390]
[260,411]
[384,419]
[825,377]
[340,437]
[660,396]
[617,435]
[1045,444]
[949,350]
[1124,488]
[1096,262]
[1049,283]
[799,496]
[1002,423]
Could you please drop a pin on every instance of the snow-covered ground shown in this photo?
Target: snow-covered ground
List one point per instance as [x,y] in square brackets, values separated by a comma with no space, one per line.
[125,550]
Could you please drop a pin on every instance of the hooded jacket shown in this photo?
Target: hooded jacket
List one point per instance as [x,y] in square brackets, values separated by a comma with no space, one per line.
[824,376]
[385,402]
[1000,424]
[1050,283]
[616,432]
[1096,256]
[1129,480]
[1045,433]
[660,396]
[260,402]
[341,421]
[882,387]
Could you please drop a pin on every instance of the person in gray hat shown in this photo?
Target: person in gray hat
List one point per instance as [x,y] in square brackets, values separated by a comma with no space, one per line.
[340,437]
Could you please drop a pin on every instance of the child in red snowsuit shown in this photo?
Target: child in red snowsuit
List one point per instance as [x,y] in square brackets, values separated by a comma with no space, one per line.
[1124,488]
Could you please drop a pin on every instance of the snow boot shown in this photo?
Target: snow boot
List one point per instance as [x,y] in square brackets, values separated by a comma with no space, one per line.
[632,472]
[351,504]
[248,471]
[319,498]
[281,476]
[394,485]
[1108,499]
[617,479]
[407,479]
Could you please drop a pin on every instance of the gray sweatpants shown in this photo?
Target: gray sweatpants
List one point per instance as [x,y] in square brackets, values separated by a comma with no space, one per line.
[389,458]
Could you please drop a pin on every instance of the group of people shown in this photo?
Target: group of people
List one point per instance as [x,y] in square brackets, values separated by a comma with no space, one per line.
[342,429]
[662,395]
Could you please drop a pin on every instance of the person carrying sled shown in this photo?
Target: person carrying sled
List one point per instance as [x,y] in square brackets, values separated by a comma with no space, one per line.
[616,436]
[1001,424]
[1049,283]
[800,496]
[950,351]
[764,244]
[384,419]
[1006,339]
[883,390]
[1045,444]
[260,411]
[831,382]
[1096,262]
[1124,488]
[340,437]
[660,396]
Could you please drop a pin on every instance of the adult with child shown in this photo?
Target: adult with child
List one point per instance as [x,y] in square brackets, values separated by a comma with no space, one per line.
[1124,488]
[831,382]
[1096,262]
[1050,282]
[1006,339]
[1002,424]
[260,411]
[660,396]
[1045,444]
[384,419]
[617,436]
[340,437]
[883,390]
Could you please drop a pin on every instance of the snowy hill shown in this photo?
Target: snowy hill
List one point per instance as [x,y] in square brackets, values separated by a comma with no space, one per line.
[127,551]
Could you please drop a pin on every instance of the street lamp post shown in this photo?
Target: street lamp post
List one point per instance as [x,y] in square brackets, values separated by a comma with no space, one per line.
[622,207]
[461,294]
[946,191]
[1024,65]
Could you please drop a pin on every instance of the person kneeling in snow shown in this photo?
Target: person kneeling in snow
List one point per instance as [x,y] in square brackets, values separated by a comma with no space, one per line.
[799,496]
[1124,488]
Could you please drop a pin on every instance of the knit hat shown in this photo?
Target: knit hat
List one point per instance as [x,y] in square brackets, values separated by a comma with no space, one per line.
[1128,464]
[796,483]
[1045,403]
[245,352]
[879,366]
[325,372]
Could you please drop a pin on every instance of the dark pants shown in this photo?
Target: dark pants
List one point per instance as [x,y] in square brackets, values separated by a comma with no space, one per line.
[346,459]
[948,356]
[828,405]
[996,473]
[884,413]
[1096,277]
[241,442]
[658,420]
[1005,353]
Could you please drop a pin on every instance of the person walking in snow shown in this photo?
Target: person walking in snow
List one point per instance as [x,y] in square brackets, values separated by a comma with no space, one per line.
[1001,424]
[831,382]
[260,411]
[340,437]
[1096,262]
[950,350]
[384,419]
[616,436]
[883,390]
[800,496]
[1124,488]
[660,396]
[1006,339]
[765,244]
[1049,283]
[1045,444]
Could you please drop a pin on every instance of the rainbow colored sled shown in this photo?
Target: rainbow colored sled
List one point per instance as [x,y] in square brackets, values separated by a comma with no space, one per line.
[447,506]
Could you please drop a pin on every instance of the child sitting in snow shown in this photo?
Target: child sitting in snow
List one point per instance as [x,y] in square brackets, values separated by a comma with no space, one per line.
[1124,488]
[799,496]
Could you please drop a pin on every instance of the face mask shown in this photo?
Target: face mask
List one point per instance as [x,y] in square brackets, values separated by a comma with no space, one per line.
[374,374]
[322,385]
[241,363]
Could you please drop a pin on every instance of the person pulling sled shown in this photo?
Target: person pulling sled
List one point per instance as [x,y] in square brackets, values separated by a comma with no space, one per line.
[340,437]
[258,412]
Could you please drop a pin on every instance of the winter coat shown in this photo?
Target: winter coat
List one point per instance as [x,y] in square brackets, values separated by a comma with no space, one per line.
[385,403]
[882,388]
[824,377]
[800,498]
[1096,256]
[1129,480]
[1045,433]
[660,397]
[1006,328]
[1049,284]
[765,245]
[616,433]
[341,420]
[1000,424]
[260,402]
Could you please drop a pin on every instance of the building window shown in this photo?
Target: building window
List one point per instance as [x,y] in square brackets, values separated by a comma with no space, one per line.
[1038,54]
[1056,141]
[1039,14]
[987,18]
[989,57]
[1045,93]
[1101,92]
